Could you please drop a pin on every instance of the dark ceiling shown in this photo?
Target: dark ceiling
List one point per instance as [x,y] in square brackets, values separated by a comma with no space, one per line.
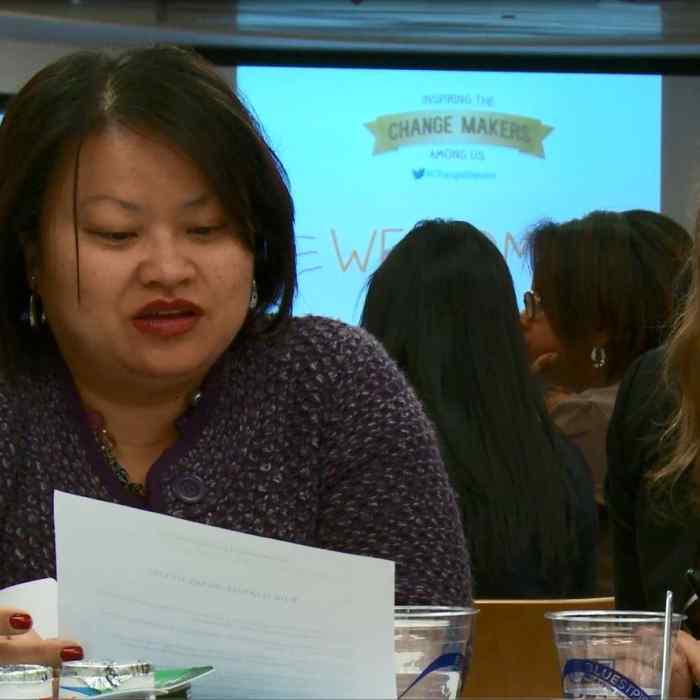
[567,27]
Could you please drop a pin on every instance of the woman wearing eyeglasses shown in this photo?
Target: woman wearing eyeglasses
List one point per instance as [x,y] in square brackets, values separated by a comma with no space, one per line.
[603,290]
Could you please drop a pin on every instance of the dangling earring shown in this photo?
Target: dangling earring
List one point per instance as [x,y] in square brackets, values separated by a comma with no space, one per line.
[598,357]
[36,315]
[253,296]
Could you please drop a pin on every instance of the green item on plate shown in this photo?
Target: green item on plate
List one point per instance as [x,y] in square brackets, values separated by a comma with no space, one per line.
[170,680]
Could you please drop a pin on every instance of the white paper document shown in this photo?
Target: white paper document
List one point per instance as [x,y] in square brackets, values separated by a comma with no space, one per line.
[39,599]
[276,620]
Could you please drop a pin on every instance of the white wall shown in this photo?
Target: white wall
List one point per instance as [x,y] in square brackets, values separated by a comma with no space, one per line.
[19,60]
[680,190]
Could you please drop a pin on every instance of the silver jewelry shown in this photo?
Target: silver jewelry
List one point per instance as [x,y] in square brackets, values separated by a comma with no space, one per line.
[253,296]
[598,357]
[108,446]
[36,315]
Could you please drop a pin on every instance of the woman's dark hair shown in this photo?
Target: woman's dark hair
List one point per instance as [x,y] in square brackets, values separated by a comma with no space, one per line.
[175,95]
[618,273]
[442,303]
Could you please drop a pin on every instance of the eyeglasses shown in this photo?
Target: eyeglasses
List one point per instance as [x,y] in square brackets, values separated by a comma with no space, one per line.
[533,304]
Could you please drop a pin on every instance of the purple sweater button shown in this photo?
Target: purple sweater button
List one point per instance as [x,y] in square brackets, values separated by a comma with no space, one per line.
[189,489]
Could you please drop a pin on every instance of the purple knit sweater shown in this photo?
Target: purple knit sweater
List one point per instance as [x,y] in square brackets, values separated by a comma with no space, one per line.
[311,436]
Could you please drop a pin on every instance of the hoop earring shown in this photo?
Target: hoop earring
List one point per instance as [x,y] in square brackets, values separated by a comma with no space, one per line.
[253,296]
[36,315]
[598,357]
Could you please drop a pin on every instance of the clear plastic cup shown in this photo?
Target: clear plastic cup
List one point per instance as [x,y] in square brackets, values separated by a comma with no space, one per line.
[431,650]
[26,682]
[611,653]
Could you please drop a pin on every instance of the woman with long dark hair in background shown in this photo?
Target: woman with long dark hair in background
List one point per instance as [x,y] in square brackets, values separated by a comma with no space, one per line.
[442,303]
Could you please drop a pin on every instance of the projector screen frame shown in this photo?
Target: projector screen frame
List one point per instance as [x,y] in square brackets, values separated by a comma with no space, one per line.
[541,62]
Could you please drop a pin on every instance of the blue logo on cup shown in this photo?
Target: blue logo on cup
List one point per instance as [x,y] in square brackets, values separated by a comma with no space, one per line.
[587,669]
[448,662]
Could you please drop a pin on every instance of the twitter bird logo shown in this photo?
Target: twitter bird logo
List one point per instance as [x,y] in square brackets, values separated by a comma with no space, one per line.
[418,174]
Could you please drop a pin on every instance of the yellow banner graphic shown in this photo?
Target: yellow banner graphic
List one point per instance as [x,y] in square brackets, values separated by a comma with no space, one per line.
[394,131]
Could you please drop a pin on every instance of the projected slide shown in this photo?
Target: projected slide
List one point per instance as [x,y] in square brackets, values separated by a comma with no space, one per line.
[371,152]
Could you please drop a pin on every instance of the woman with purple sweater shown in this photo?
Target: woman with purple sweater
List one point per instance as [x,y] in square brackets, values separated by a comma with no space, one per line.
[148,353]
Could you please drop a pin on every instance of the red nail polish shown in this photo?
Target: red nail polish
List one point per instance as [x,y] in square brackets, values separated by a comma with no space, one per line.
[20,621]
[71,653]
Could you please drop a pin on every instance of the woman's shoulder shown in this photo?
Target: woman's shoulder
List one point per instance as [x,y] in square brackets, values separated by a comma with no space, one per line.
[19,392]
[642,412]
[35,392]
[24,410]
[645,401]
[325,362]
[317,342]
[324,332]
[644,379]
[587,411]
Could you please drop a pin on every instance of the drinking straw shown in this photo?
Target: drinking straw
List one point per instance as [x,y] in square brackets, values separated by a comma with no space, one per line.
[666,657]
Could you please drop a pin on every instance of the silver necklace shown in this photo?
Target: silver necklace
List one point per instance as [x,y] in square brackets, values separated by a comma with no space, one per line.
[108,444]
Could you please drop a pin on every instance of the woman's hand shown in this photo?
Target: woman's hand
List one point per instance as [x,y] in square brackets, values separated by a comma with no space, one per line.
[20,644]
[686,665]
[544,363]
[546,367]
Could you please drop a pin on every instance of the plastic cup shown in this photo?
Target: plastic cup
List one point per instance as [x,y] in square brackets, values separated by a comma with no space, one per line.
[431,650]
[611,653]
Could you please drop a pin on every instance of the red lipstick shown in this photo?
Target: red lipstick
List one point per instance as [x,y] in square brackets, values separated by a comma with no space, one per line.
[167,318]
